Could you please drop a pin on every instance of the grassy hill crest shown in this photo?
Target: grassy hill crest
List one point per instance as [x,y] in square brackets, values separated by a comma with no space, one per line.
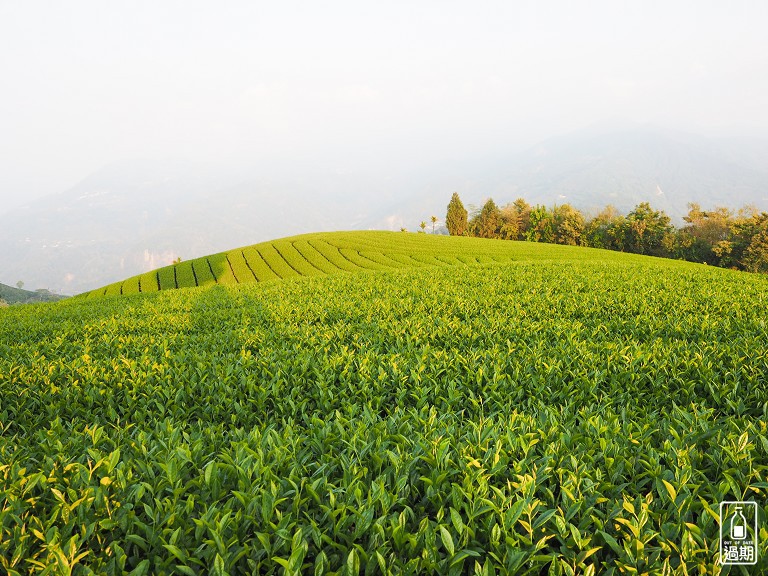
[329,253]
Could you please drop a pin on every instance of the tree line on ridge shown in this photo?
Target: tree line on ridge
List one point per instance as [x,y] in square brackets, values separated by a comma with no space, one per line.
[718,237]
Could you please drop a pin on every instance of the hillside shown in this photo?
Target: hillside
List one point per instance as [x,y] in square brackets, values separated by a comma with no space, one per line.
[545,409]
[331,253]
[13,295]
[134,216]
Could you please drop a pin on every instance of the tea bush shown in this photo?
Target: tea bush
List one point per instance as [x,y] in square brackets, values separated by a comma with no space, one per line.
[559,416]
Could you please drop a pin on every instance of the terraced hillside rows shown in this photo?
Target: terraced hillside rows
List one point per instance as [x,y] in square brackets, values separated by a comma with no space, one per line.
[333,253]
[570,416]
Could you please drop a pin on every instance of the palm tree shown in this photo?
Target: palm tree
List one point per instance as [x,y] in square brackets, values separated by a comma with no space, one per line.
[423,225]
[434,221]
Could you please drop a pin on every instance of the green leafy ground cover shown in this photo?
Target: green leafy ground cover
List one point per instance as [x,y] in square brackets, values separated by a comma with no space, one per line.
[574,412]
[333,253]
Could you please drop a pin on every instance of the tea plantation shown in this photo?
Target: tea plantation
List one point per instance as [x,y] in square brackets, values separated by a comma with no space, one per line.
[333,253]
[486,407]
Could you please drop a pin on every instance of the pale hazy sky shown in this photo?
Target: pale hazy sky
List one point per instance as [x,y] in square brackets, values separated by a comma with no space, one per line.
[356,84]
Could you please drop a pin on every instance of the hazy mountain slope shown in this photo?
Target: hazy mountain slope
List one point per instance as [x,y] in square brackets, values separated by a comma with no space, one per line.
[612,164]
[137,216]
[132,217]
[624,167]
[11,295]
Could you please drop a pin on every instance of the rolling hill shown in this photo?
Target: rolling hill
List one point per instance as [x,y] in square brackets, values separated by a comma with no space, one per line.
[327,253]
[134,216]
[393,404]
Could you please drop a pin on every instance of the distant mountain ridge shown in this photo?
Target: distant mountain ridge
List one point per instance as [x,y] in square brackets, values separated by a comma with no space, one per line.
[132,217]
[624,166]
[135,216]
[11,295]
[621,165]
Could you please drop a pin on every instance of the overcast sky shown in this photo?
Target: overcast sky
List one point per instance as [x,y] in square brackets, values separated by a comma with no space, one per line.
[356,84]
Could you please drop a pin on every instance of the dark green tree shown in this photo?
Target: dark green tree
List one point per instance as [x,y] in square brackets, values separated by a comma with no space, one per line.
[523,214]
[756,255]
[569,225]
[696,241]
[456,218]
[542,225]
[508,229]
[648,231]
[488,222]
[747,246]
[605,230]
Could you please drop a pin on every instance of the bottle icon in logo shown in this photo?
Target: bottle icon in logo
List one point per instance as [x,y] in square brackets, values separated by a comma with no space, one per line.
[738,525]
[738,533]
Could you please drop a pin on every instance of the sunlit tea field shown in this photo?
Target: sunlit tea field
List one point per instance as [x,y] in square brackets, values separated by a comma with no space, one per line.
[488,408]
[334,253]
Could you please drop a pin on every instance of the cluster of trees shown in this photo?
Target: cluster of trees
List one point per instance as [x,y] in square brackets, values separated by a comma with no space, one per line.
[719,237]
